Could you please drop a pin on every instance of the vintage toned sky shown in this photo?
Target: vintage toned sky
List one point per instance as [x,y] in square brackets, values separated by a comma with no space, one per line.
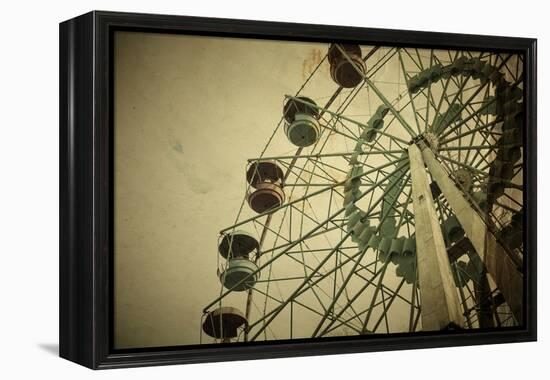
[189,112]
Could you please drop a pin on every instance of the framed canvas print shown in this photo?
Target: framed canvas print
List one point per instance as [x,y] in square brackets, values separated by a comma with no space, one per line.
[238,189]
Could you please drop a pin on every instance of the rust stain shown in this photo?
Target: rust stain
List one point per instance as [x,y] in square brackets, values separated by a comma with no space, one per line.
[309,64]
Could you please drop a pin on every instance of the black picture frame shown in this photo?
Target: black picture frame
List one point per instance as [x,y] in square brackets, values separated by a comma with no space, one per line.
[86,177]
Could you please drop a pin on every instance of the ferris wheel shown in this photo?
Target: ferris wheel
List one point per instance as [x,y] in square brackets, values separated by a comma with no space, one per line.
[389,198]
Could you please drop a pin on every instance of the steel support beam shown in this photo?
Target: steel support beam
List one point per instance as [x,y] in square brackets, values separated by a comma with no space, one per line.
[440,305]
[500,266]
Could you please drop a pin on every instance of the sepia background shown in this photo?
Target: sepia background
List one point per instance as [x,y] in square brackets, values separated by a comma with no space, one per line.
[189,112]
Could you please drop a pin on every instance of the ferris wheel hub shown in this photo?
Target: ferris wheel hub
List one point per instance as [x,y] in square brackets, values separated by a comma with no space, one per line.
[427,140]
